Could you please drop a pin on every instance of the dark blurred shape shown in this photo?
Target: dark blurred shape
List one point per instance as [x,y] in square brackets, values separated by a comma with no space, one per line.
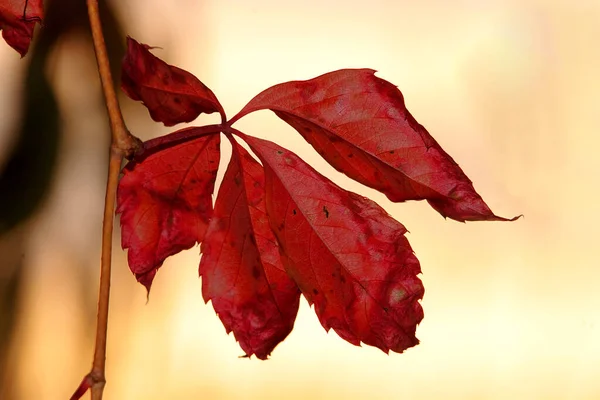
[27,176]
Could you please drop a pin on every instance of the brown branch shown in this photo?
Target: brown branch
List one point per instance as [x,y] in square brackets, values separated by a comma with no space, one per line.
[122,140]
[123,144]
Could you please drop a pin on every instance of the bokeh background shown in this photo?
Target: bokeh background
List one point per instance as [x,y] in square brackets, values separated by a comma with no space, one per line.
[508,88]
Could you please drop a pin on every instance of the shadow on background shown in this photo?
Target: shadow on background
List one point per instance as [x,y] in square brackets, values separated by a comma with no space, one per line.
[29,167]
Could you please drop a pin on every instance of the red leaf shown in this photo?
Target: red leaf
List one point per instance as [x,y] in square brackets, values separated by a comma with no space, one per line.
[17,21]
[360,125]
[347,255]
[165,203]
[171,94]
[241,268]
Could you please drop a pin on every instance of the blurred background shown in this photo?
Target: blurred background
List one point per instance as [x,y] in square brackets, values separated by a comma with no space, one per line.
[508,88]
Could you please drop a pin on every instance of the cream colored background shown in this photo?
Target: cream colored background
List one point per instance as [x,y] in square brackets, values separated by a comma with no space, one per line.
[512,310]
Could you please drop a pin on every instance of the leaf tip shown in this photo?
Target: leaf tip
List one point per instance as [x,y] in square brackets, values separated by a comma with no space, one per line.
[146,280]
[494,217]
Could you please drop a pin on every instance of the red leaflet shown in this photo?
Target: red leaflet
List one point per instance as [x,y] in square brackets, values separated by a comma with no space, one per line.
[241,268]
[17,20]
[347,255]
[165,202]
[171,94]
[360,125]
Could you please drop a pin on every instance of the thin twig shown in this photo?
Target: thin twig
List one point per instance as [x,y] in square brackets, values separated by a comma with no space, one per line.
[122,140]
[123,144]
